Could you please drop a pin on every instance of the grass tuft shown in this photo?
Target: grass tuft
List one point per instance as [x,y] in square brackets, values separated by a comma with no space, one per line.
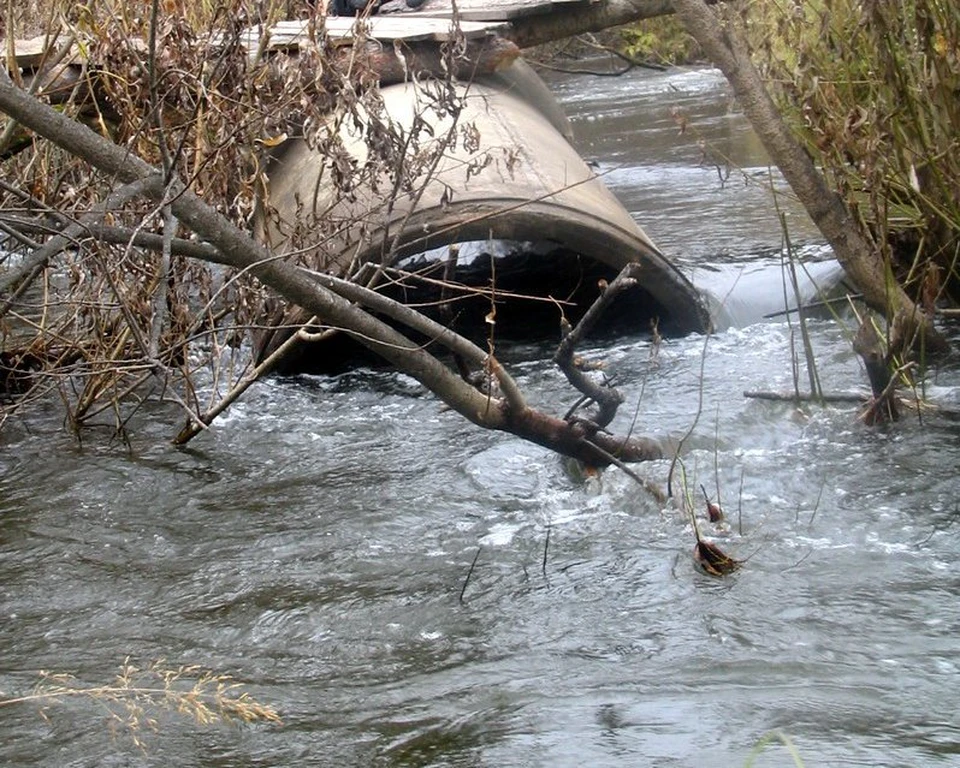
[135,697]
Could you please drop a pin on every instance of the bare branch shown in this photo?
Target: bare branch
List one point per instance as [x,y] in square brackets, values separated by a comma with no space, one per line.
[32,265]
[608,398]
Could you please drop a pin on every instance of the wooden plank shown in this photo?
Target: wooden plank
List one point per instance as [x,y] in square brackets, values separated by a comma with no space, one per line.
[495,10]
[343,30]
[411,26]
[28,53]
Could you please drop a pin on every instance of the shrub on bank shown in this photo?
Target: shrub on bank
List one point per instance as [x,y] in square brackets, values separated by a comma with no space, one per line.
[871,89]
[661,39]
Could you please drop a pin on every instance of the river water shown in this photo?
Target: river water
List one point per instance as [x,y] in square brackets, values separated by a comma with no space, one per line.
[316,544]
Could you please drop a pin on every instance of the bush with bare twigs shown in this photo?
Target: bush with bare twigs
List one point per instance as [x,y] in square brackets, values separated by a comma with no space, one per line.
[116,322]
[872,90]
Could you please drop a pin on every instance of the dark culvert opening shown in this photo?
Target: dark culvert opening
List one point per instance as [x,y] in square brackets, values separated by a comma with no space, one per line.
[534,284]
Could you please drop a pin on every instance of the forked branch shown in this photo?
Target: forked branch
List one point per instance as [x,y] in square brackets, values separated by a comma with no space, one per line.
[606,397]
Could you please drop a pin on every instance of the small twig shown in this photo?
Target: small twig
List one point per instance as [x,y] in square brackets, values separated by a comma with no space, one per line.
[814,305]
[546,546]
[469,574]
[607,398]
[449,275]
[716,456]
[584,70]
[794,565]
[937,528]
[630,61]
[162,290]
[580,402]
[812,375]
[740,505]
[792,397]
[650,487]
[816,505]
[696,418]
[636,411]
[508,385]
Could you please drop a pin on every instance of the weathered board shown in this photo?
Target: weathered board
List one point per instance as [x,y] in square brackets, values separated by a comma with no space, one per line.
[341,30]
[30,53]
[407,27]
[495,10]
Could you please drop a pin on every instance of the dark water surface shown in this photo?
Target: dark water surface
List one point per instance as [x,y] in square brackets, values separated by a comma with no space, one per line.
[315,544]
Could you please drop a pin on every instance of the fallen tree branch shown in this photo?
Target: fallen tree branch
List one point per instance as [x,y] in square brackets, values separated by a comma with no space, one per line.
[236,248]
[574,19]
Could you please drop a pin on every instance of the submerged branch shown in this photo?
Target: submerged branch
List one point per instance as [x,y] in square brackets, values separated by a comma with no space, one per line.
[793,397]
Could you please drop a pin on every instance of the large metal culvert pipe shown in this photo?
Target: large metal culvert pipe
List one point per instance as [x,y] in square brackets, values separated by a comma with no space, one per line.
[520,180]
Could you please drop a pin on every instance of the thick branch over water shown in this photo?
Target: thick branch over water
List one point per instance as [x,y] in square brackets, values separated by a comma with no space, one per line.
[237,249]
[579,18]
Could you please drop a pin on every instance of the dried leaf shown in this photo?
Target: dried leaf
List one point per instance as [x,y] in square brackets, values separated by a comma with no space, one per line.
[273,141]
[712,560]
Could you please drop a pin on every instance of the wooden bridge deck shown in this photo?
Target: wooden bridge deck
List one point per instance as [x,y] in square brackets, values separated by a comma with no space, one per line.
[431,22]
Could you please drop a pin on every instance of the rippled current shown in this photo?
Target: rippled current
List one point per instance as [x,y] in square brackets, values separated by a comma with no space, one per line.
[316,544]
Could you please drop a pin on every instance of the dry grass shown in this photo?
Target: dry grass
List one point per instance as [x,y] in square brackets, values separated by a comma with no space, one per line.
[135,697]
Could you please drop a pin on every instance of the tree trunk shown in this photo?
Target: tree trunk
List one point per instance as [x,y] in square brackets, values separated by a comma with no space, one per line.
[479,57]
[579,18]
[724,43]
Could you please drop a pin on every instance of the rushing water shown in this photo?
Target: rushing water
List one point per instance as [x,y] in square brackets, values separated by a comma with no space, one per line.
[316,544]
